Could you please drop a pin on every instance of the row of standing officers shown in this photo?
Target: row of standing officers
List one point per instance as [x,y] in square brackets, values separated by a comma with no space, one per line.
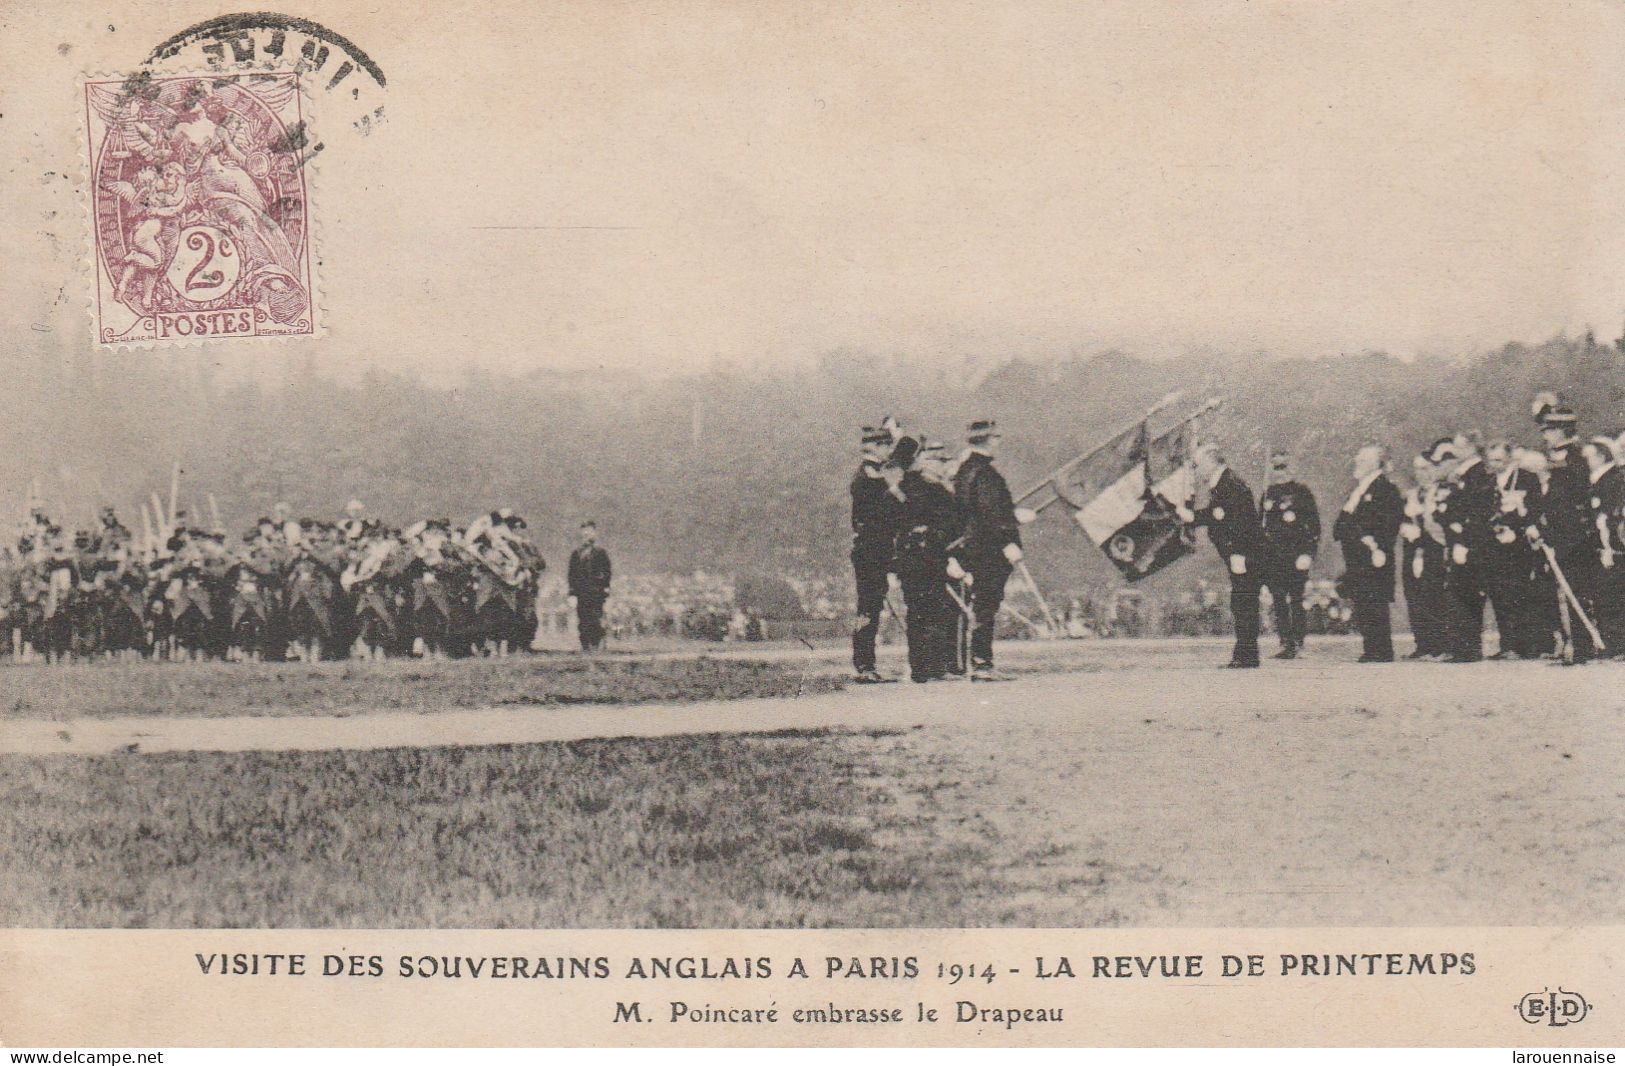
[930,519]
[1534,535]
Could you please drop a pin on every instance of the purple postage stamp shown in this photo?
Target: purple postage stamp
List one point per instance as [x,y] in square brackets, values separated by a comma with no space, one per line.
[200,207]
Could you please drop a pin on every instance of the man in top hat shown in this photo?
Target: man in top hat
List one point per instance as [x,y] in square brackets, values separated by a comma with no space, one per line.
[1566,523]
[989,545]
[1366,527]
[877,512]
[588,581]
[1291,527]
[930,522]
[1231,520]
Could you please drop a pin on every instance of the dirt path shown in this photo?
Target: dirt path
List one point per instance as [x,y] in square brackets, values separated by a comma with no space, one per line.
[1061,702]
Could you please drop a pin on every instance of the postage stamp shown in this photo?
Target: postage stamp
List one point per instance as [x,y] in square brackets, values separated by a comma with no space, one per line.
[200,208]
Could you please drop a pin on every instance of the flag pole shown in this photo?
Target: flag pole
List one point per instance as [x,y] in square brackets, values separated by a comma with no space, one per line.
[1043,605]
[1212,404]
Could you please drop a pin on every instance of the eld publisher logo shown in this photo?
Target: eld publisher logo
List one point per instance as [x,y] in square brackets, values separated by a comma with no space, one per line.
[1553,1008]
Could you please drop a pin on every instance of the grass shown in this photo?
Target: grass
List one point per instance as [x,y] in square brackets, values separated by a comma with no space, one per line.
[103,690]
[777,830]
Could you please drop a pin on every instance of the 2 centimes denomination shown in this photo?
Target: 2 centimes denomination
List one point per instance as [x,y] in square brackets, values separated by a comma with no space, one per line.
[200,208]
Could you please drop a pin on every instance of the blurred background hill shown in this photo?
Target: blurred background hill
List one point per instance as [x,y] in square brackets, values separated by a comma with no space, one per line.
[739,471]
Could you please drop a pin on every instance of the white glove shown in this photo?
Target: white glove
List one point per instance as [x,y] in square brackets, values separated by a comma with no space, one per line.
[1238,564]
[1505,535]
[1410,531]
[892,582]
[1416,566]
[1303,562]
[1458,554]
[1025,515]
[1012,552]
[571,600]
[1608,558]
[1186,515]
[955,571]
[1379,558]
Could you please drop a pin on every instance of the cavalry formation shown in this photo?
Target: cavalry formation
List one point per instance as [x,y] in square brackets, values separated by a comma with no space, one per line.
[285,589]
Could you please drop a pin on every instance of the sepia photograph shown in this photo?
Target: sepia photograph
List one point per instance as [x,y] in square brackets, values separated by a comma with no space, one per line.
[827,466]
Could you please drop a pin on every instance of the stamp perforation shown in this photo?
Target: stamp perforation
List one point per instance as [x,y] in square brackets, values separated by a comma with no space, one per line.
[255,319]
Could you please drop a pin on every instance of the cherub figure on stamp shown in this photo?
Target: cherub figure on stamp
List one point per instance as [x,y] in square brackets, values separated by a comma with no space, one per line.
[200,208]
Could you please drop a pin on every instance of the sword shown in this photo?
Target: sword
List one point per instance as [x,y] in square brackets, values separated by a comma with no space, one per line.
[1569,600]
[966,620]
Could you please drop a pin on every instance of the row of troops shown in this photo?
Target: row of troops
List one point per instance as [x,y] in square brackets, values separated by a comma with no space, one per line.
[305,589]
[1537,535]
[1532,534]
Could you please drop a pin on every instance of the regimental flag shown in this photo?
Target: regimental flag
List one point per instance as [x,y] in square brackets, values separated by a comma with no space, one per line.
[1130,489]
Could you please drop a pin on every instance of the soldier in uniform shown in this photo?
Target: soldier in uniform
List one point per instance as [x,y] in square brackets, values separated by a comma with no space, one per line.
[589,587]
[877,512]
[1512,562]
[1291,528]
[930,522]
[1366,528]
[1232,525]
[989,546]
[1567,522]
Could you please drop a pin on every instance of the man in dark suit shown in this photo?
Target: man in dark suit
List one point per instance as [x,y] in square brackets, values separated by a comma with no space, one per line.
[1232,525]
[1512,562]
[930,523]
[1422,557]
[589,587]
[877,513]
[1608,517]
[1366,528]
[989,546]
[1466,512]
[1291,528]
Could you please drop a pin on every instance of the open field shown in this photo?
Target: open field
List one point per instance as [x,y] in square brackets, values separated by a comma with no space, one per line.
[654,672]
[1155,792]
[213,689]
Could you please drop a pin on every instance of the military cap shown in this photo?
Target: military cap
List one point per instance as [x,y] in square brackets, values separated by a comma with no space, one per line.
[1542,403]
[1558,416]
[980,430]
[876,435]
[1280,460]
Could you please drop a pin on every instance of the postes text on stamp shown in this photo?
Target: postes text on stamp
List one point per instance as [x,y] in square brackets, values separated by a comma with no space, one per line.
[200,208]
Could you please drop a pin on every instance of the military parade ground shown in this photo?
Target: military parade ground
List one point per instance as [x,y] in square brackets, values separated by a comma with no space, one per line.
[1115,783]
[357,725]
